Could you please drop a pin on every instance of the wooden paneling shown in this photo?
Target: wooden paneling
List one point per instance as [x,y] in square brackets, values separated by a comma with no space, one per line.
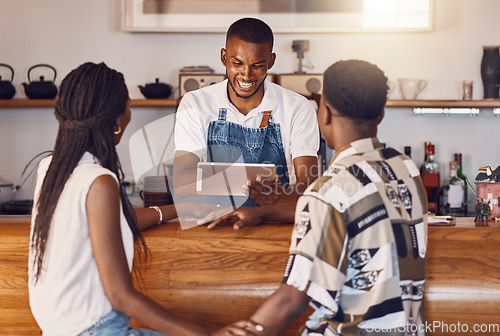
[15,314]
[219,276]
[463,277]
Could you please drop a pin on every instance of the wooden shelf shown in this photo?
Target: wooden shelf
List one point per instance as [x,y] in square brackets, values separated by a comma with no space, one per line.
[154,102]
[487,103]
[27,103]
[52,102]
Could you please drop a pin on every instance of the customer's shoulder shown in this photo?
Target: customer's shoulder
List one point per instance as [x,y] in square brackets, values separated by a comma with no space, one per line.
[89,168]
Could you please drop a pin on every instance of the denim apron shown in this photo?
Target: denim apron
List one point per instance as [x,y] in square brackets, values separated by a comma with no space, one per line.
[231,142]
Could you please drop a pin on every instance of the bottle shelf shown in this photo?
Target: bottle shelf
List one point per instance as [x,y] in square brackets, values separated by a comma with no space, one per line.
[486,103]
[448,107]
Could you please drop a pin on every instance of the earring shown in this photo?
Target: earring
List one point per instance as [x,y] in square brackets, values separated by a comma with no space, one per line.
[118,131]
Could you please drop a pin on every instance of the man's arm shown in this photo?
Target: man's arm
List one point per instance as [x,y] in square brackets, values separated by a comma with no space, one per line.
[244,216]
[184,173]
[280,310]
[190,146]
[306,171]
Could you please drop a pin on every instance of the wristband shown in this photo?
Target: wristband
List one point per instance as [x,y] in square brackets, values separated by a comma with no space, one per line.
[159,212]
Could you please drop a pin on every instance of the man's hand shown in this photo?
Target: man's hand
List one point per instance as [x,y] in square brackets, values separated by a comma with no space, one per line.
[243,328]
[241,217]
[265,191]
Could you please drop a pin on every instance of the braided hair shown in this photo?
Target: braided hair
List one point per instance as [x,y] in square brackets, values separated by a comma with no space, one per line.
[90,99]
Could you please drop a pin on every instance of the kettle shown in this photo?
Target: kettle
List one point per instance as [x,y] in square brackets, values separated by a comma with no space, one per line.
[7,90]
[41,89]
[156,90]
[7,191]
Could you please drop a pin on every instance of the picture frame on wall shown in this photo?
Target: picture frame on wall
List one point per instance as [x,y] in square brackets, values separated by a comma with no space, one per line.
[284,16]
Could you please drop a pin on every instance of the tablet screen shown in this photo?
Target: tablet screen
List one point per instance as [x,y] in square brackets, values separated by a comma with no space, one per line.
[223,178]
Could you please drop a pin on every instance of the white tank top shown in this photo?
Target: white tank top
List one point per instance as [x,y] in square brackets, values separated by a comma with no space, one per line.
[69,297]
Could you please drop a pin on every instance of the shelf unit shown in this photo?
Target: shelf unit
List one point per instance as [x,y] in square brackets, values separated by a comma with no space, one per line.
[422,104]
[487,103]
[52,102]
[448,107]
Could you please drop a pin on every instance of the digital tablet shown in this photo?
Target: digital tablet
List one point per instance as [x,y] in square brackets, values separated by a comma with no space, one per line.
[225,178]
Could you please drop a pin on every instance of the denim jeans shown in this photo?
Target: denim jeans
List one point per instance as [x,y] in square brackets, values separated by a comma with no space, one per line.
[115,323]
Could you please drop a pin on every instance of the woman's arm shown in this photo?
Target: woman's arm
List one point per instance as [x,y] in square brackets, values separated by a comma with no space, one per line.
[148,217]
[103,212]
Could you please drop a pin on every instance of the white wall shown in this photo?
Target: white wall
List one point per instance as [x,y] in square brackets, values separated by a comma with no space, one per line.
[68,33]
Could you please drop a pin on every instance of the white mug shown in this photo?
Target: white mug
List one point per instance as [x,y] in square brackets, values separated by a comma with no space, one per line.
[411,87]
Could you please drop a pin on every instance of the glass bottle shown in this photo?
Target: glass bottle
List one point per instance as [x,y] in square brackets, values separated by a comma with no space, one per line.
[408,151]
[426,145]
[458,159]
[430,177]
[453,194]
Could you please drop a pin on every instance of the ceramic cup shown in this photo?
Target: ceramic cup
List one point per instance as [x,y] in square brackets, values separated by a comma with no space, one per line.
[467,88]
[411,87]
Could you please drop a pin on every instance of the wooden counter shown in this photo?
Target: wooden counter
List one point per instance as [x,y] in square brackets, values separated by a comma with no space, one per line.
[216,277]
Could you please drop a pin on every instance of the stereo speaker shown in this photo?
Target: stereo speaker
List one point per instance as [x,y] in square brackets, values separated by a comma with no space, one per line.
[190,82]
[303,83]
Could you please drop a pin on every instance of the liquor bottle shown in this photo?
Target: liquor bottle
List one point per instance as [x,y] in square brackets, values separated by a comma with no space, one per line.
[453,194]
[430,177]
[426,146]
[408,151]
[460,174]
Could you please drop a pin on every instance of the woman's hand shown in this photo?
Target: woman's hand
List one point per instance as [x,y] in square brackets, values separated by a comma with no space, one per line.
[243,328]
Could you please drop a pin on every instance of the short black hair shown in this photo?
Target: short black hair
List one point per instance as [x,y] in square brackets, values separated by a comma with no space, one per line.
[356,89]
[251,30]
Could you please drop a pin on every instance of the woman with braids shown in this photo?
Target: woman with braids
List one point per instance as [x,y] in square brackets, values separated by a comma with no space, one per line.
[84,229]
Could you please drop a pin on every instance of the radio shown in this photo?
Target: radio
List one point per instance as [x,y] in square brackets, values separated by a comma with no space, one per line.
[303,83]
[189,81]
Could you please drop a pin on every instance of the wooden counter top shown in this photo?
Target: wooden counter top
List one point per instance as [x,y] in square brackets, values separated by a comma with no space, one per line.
[219,276]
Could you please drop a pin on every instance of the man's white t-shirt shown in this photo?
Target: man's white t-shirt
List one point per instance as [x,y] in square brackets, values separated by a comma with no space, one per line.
[295,114]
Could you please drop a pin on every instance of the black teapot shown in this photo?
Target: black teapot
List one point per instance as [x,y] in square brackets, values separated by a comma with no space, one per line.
[156,90]
[7,90]
[41,89]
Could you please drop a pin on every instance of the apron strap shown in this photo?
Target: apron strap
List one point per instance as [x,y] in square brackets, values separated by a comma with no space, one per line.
[265,119]
[222,114]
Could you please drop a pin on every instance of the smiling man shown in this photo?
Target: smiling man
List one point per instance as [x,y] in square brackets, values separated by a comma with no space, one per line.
[247,118]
